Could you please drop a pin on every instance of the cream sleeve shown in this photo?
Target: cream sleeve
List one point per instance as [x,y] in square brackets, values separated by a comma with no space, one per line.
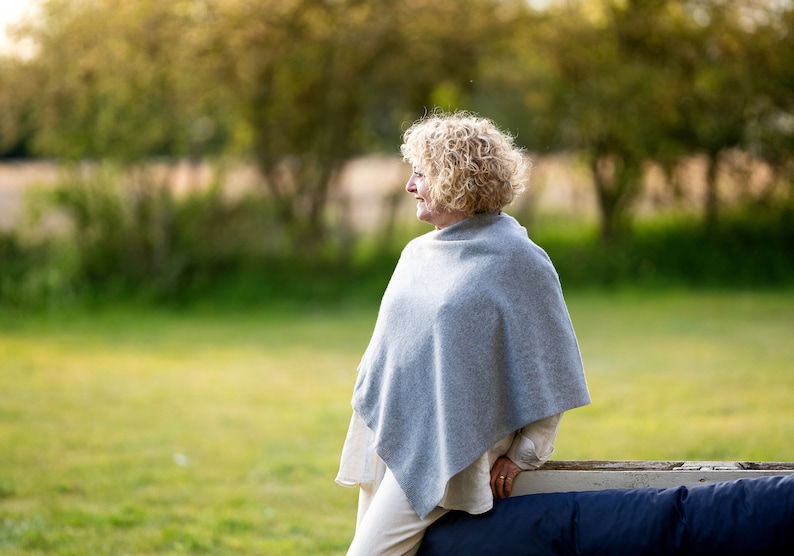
[534,443]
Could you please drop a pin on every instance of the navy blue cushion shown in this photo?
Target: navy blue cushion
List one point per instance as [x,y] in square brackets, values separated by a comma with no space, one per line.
[741,517]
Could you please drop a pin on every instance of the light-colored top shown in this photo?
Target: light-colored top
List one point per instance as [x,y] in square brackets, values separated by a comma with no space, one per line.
[469,490]
[473,341]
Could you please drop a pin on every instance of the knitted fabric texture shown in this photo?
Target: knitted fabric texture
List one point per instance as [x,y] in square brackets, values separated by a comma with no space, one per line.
[473,340]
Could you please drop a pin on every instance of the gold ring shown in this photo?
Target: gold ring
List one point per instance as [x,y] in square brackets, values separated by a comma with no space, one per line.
[501,477]
[509,479]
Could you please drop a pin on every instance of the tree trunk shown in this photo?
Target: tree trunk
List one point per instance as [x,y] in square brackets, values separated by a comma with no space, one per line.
[618,180]
[711,202]
[603,171]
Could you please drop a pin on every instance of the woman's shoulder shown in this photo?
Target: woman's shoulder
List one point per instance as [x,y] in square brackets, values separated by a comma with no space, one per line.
[515,239]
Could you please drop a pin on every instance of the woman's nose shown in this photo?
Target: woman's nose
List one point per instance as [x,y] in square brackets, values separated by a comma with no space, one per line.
[410,187]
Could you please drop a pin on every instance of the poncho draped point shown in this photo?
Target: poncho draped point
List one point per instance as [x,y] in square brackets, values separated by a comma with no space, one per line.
[472,341]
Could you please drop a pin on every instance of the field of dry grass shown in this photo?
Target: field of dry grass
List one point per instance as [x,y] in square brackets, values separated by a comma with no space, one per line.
[559,184]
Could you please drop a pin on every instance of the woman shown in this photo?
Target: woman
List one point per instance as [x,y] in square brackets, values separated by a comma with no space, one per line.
[473,358]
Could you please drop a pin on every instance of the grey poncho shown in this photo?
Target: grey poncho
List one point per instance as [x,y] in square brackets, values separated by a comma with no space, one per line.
[472,341]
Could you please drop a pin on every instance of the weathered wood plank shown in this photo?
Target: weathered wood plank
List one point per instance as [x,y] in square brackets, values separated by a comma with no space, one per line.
[572,476]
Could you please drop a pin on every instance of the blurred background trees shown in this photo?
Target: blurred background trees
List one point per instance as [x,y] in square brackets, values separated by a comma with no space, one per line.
[300,87]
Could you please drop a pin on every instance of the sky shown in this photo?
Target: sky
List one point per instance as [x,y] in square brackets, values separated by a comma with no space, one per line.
[12,11]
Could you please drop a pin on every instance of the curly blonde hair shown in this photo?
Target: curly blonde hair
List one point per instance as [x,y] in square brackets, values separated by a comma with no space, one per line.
[469,164]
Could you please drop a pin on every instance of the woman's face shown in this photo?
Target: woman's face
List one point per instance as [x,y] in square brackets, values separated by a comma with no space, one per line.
[418,187]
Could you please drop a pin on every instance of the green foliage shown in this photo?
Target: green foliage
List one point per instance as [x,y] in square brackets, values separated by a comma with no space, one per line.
[130,236]
[627,83]
[30,275]
[744,250]
[204,249]
[303,86]
[300,87]
[120,81]
[318,82]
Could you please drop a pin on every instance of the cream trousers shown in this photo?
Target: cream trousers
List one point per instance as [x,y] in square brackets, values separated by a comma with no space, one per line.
[387,524]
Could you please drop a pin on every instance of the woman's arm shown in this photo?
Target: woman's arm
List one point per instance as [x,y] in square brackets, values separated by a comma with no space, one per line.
[531,448]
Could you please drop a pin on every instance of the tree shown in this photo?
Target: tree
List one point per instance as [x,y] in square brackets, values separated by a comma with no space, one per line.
[769,132]
[118,83]
[117,80]
[318,82]
[608,99]
[15,129]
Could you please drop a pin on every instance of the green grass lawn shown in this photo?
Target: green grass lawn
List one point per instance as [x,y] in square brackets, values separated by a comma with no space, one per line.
[148,432]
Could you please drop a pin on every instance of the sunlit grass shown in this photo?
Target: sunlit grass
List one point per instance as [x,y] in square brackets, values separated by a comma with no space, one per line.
[144,432]
[162,433]
[694,377]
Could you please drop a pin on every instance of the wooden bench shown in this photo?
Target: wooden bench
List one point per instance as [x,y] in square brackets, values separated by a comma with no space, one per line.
[573,476]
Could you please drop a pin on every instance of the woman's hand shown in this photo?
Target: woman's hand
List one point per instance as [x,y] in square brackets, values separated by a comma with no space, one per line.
[503,473]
